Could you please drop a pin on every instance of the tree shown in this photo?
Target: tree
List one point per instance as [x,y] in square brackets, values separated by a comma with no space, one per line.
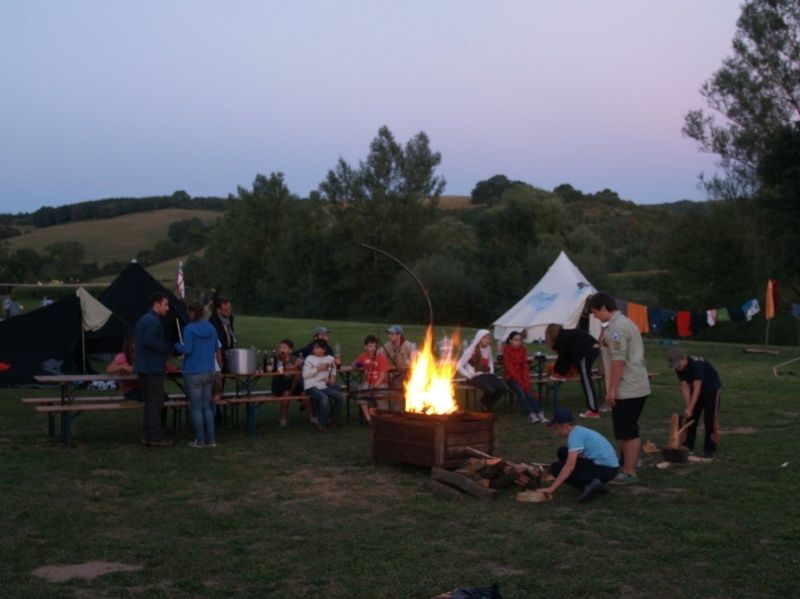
[385,202]
[65,259]
[779,200]
[492,189]
[756,93]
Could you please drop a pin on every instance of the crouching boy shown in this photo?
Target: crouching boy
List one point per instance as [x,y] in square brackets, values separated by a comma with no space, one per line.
[319,376]
[588,461]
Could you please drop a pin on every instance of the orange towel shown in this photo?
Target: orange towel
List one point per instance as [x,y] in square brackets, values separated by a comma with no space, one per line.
[638,314]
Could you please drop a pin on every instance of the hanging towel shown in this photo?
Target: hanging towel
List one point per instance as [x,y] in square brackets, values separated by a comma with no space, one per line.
[736,312]
[723,315]
[698,320]
[750,309]
[638,314]
[711,317]
[684,319]
[796,311]
[655,320]
[622,305]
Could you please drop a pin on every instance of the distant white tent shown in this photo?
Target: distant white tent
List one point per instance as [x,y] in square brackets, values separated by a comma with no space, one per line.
[557,298]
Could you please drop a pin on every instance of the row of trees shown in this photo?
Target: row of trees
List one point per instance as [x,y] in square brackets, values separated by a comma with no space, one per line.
[276,253]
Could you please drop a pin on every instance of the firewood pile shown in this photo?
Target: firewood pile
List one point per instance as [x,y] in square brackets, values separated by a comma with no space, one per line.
[484,476]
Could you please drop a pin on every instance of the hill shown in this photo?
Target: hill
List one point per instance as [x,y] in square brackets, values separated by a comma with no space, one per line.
[113,239]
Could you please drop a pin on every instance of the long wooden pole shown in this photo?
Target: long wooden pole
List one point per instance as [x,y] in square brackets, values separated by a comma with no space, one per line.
[410,272]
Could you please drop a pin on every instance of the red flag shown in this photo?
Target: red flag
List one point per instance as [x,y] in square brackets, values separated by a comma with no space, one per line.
[769,309]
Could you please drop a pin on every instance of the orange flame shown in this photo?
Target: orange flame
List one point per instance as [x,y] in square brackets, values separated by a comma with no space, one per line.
[429,388]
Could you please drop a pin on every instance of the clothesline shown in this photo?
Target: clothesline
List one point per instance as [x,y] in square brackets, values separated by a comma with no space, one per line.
[653,320]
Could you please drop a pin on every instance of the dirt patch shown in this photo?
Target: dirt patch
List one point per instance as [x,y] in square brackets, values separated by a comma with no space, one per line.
[87,571]
[106,472]
[505,571]
[739,430]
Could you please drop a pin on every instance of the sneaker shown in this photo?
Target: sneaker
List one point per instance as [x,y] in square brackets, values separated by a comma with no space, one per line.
[590,414]
[196,443]
[211,444]
[313,420]
[709,455]
[604,408]
[542,418]
[533,418]
[624,478]
[590,490]
[283,422]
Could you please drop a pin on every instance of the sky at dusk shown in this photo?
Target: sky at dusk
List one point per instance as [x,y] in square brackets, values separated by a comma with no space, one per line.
[104,98]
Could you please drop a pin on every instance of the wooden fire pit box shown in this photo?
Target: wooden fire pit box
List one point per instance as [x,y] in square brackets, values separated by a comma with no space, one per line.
[430,440]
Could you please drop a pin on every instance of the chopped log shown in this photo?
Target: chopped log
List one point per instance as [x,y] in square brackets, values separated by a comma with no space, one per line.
[491,472]
[463,483]
[504,481]
[483,454]
[442,490]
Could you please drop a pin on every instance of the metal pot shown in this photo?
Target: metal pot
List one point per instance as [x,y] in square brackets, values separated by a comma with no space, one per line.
[241,361]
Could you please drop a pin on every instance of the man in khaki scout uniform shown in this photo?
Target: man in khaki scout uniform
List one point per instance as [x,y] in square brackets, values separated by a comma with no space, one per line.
[627,383]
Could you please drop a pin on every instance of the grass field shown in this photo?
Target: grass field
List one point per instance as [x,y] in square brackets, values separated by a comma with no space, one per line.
[295,513]
[107,240]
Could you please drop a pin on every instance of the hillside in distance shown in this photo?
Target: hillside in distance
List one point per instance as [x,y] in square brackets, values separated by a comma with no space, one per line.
[114,239]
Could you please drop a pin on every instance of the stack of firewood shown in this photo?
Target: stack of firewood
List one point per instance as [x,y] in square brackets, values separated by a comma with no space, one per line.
[484,475]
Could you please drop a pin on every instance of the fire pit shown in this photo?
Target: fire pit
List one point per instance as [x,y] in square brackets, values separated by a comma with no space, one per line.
[430,439]
[431,431]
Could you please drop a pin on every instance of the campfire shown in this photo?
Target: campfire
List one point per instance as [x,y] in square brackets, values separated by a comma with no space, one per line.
[429,389]
[432,431]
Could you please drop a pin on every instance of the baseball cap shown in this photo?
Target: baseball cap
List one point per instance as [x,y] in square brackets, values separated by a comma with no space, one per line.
[561,416]
[321,331]
[674,357]
[395,328]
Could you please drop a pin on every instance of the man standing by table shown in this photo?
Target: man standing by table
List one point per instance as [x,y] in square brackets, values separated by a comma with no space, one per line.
[222,319]
[627,383]
[150,357]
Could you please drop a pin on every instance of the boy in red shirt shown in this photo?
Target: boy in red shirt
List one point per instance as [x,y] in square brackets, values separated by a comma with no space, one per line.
[376,373]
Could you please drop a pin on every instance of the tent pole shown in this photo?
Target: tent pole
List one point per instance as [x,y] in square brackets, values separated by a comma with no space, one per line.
[178,326]
[83,348]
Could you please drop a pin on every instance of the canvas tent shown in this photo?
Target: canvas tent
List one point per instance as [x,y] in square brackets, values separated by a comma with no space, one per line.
[128,298]
[557,298]
[49,340]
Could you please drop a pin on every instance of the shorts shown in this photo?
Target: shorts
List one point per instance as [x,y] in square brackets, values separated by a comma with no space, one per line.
[625,416]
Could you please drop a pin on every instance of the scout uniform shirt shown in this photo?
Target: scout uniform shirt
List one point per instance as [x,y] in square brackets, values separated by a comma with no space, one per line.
[622,341]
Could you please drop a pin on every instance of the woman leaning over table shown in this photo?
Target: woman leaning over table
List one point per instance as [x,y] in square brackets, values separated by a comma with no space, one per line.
[200,346]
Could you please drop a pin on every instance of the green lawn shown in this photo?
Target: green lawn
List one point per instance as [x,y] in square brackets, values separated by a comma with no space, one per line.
[295,513]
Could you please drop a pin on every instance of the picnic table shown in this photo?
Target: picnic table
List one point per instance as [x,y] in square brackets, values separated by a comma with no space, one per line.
[70,403]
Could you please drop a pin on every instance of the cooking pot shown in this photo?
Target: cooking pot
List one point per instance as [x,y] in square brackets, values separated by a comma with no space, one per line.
[241,361]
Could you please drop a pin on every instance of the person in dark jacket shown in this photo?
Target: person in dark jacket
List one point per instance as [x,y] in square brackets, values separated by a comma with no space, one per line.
[199,347]
[700,387]
[575,348]
[222,321]
[151,350]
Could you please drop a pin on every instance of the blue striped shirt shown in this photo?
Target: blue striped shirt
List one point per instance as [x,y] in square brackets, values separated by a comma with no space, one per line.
[591,445]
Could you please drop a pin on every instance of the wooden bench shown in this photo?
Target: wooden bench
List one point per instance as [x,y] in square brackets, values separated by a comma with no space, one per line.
[70,411]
